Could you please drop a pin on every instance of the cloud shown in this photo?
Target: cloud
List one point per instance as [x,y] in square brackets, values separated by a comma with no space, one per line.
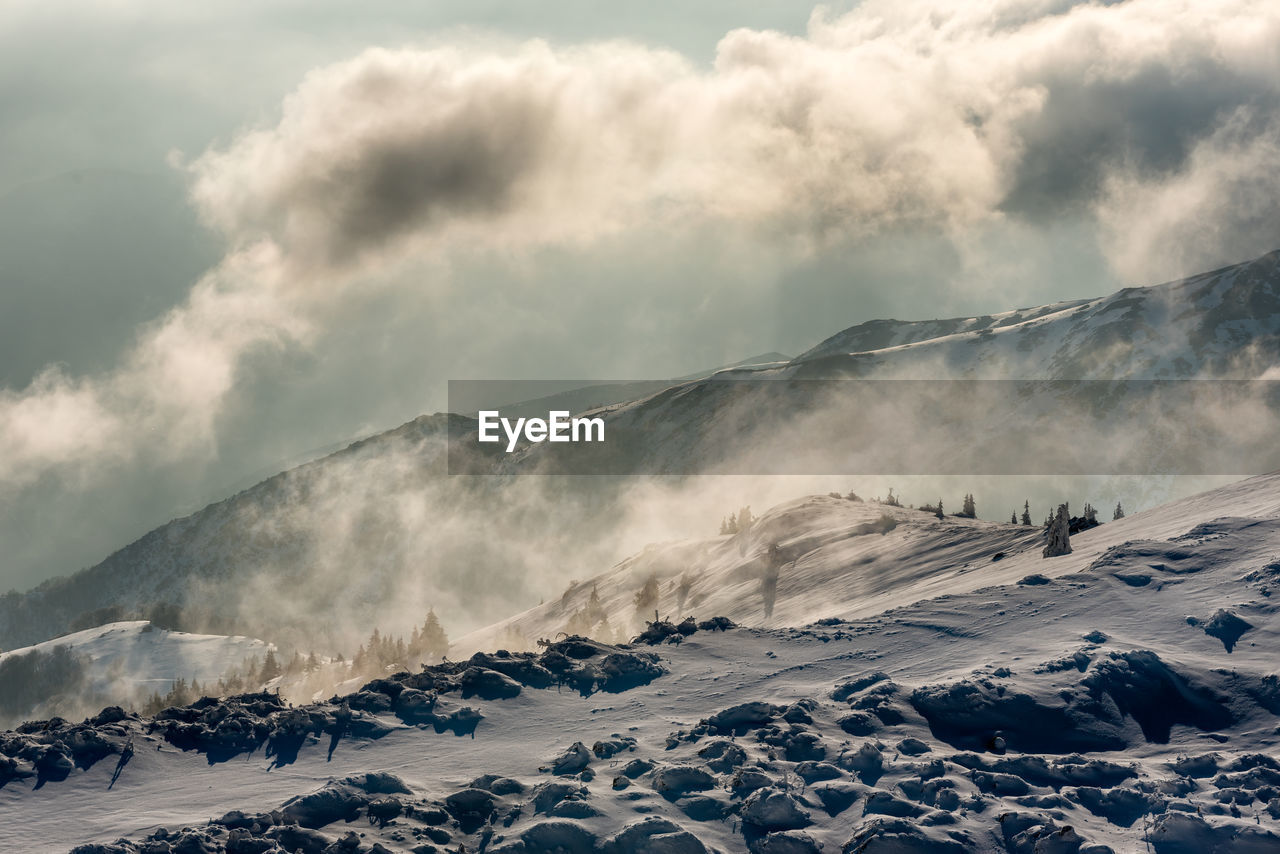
[446,147]
[164,400]
[1219,204]
[893,118]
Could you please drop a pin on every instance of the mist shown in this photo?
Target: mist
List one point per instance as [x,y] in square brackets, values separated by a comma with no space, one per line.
[428,210]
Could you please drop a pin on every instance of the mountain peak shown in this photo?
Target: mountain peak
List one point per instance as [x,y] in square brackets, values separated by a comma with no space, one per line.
[1224,322]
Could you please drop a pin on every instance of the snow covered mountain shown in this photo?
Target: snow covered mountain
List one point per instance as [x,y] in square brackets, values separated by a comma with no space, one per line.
[1118,699]
[207,556]
[829,411]
[838,558]
[128,662]
[379,525]
[1224,323]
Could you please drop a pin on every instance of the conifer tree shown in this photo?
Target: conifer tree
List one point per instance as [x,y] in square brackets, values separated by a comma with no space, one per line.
[682,592]
[603,632]
[595,610]
[435,642]
[646,598]
[270,667]
[969,508]
[1119,512]
[1013,518]
[578,624]
[939,508]
[1026,512]
[1058,536]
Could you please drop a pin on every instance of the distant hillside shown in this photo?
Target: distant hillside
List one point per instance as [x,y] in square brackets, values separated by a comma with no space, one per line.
[379,531]
[845,559]
[1221,323]
[125,663]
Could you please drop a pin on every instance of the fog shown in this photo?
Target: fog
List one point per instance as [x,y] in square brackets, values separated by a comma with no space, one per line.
[417,207]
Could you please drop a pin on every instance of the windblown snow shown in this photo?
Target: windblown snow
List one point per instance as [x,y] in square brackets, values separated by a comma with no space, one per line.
[145,658]
[1224,323]
[928,685]
[1219,323]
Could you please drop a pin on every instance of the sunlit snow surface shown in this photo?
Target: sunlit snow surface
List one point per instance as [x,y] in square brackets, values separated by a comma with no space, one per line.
[134,658]
[1105,679]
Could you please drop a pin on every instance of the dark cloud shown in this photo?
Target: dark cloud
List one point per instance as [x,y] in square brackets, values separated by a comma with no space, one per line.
[449,155]
[873,123]
[1148,121]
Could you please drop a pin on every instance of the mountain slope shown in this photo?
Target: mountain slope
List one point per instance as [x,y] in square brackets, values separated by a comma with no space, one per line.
[838,558]
[827,411]
[1222,323]
[593,395]
[128,662]
[1125,696]
[380,524]
[221,545]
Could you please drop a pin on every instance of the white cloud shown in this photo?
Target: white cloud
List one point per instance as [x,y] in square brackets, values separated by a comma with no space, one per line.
[1218,206]
[891,118]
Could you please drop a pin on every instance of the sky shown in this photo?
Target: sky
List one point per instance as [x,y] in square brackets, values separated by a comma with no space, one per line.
[235,234]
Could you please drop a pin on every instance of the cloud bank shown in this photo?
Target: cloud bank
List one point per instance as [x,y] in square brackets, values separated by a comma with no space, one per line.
[1153,120]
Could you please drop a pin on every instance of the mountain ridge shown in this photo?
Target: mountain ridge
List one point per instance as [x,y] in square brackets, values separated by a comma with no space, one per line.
[1123,694]
[1230,323]
[1246,293]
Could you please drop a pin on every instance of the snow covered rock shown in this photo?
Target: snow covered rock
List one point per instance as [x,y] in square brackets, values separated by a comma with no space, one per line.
[558,837]
[653,835]
[1226,627]
[672,781]
[573,760]
[772,809]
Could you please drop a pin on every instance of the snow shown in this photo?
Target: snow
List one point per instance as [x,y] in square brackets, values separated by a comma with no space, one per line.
[1002,682]
[1200,326]
[135,659]
[837,570]
[1222,323]
[895,680]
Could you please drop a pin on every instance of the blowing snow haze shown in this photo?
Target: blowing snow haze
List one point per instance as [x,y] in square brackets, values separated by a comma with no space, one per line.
[251,252]
[472,193]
